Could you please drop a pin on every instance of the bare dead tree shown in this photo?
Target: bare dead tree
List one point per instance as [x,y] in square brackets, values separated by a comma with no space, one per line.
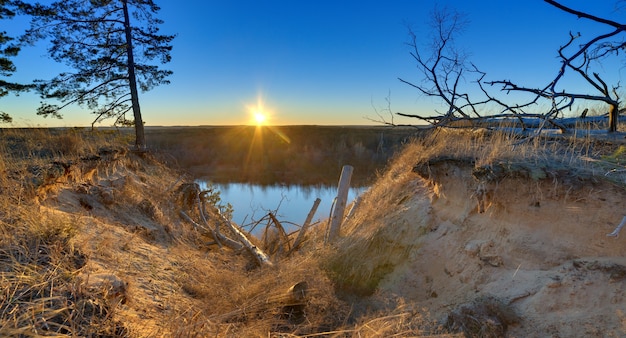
[580,61]
[448,75]
[445,72]
[444,68]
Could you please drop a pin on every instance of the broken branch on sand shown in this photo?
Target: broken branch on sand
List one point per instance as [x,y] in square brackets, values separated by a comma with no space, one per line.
[615,232]
[194,196]
[223,239]
[281,231]
[305,225]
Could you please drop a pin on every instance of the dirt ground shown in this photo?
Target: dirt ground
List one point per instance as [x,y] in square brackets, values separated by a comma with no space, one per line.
[539,247]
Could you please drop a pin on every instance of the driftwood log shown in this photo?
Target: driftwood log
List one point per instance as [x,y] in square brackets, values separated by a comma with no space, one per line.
[222,239]
[260,256]
[295,302]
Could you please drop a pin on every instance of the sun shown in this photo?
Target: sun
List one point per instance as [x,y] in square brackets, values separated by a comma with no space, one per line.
[260,118]
[259,114]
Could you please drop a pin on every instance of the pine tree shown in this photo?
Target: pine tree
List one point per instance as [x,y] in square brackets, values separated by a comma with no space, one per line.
[8,50]
[111,47]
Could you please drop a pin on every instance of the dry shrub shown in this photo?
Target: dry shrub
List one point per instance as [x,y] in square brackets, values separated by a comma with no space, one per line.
[484,317]
[251,303]
[401,320]
[68,144]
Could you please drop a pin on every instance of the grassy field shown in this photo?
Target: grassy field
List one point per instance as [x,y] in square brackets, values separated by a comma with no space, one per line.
[281,154]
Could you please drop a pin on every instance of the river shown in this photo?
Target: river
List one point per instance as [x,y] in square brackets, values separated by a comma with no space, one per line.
[291,203]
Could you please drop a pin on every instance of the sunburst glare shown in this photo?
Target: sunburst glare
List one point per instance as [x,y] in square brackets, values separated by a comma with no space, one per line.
[259,114]
[260,118]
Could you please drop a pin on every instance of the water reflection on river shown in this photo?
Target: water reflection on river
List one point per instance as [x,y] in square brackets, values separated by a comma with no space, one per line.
[252,202]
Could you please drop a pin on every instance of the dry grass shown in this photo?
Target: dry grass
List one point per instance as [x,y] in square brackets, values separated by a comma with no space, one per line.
[586,155]
[484,317]
[56,143]
[373,245]
[486,147]
[38,259]
[40,294]
[56,231]
[68,239]
[252,303]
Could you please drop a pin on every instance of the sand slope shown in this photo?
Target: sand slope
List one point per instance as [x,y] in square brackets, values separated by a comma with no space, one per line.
[537,245]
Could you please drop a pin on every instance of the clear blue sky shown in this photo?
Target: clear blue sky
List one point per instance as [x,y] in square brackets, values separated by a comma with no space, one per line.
[323,62]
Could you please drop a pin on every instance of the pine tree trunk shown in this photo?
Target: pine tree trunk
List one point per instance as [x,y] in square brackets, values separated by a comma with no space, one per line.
[140,141]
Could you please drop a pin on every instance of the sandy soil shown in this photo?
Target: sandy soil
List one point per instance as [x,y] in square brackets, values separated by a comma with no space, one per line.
[540,247]
[131,254]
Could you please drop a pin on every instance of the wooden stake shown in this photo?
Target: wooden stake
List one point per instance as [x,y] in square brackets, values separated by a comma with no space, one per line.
[353,207]
[340,205]
[305,225]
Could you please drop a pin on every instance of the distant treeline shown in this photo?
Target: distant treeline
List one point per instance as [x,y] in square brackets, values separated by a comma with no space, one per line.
[280,155]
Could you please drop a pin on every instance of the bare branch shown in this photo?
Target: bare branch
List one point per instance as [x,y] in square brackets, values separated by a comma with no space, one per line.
[586,15]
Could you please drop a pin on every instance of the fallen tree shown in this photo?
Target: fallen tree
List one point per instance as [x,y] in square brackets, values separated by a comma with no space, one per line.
[192,197]
[445,71]
[260,256]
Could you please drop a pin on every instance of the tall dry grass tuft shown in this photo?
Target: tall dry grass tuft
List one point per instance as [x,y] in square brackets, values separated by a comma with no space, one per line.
[40,294]
[377,238]
[401,320]
[70,144]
